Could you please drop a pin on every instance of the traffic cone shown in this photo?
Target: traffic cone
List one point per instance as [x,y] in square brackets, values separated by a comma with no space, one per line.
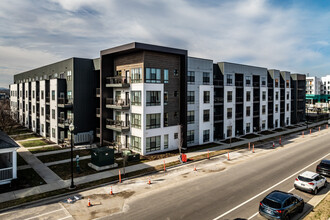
[111,193]
[208,154]
[149,182]
[119,176]
[310,131]
[319,128]
[253,149]
[164,166]
[228,156]
[89,203]
[195,168]
[273,144]
[280,142]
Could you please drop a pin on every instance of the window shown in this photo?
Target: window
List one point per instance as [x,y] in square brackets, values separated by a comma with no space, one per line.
[287,121]
[152,144]
[276,83]
[206,136]
[206,115]
[136,143]
[276,108]
[206,96]
[53,133]
[263,124]
[229,131]
[165,141]
[136,120]
[53,113]
[263,81]
[69,75]
[153,121]
[190,97]
[34,123]
[287,107]
[229,80]
[248,80]
[42,94]
[69,94]
[42,111]
[287,96]
[248,96]
[229,113]
[288,84]
[276,123]
[248,127]
[206,78]
[176,72]
[190,117]
[136,98]
[176,135]
[263,109]
[276,96]
[248,110]
[34,109]
[166,119]
[152,75]
[165,75]
[190,77]
[165,98]
[153,98]
[33,94]
[42,127]
[190,136]
[229,96]
[136,75]
[176,93]
[263,95]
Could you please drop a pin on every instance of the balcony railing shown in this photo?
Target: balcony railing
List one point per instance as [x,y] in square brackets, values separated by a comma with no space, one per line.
[117,81]
[64,103]
[256,98]
[117,103]
[47,99]
[239,83]
[98,112]
[218,100]
[117,125]
[6,173]
[255,113]
[48,117]
[255,84]
[98,92]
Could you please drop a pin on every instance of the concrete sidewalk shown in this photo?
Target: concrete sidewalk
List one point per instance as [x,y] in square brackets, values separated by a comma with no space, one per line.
[54,182]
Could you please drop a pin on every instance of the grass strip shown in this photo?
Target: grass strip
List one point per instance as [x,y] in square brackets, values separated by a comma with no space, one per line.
[34,143]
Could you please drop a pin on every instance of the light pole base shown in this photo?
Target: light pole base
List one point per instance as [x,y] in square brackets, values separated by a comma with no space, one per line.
[72,187]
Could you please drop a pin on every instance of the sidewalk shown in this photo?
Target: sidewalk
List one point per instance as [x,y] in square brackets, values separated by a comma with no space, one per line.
[54,182]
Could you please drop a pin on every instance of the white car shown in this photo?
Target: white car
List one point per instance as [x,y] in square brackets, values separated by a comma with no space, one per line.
[310,182]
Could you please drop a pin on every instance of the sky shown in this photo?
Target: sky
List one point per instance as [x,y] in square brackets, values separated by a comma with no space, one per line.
[290,35]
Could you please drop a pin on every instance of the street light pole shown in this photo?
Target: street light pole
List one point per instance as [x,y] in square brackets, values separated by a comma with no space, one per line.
[71,128]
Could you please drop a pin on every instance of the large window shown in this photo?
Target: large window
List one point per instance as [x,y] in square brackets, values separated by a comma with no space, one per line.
[229,80]
[276,96]
[190,117]
[42,94]
[53,94]
[190,97]
[206,115]
[166,119]
[136,75]
[153,121]
[136,98]
[276,108]
[69,94]
[248,80]
[248,110]
[229,96]
[229,131]
[42,111]
[165,98]
[263,124]
[190,136]
[263,95]
[165,75]
[263,109]
[136,143]
[248,127]
[288,84]
[153,75]
[287,107]
[276,83]
[152,144]
[136,120]
[248,96]
[153,98]
[206,96]
[206,136]
[53,133]
[53,113]
[263,81]
[190,77]
[165,141]
[69,75]
[206,78]
[229,113]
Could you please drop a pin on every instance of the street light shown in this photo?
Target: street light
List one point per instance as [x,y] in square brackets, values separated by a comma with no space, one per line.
[71,128]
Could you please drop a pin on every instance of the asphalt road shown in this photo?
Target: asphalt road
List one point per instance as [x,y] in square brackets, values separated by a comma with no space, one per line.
[234,193]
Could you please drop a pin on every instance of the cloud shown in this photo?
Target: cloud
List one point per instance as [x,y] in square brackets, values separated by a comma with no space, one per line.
[255,32]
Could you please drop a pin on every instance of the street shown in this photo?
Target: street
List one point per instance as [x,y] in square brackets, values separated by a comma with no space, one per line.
[219,189]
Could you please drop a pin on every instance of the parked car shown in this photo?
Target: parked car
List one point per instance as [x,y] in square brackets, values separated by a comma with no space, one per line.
[323,168]
[310,182]
[280,205]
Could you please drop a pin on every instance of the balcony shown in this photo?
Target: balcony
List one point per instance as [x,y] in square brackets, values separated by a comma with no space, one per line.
[98,112]
[98,132]
[255,113]
[62,123]
[256,98]
[48,117]
[218,118]
[239,83]
[117,81]
[64,103]
[117,125]
[239,115]
[256,84]
[239,99]
[218,100]
[47,100]
[120,104]
[38,99]
[98,92]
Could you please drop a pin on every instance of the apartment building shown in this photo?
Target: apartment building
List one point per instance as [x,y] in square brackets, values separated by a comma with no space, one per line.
[49,98]
[143,98]
[318,90]
[200,101]
[298,98]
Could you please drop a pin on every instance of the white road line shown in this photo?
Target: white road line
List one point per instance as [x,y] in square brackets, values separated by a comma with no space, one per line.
[251,217]
[233,209]
[43,214]
[65,217]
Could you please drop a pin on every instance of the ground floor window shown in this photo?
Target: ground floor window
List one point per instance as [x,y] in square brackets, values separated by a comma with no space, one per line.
[165,141]
[248,127]
[136,143]
[206,135]
[229,131]
[53,133]
[190,136]
[153,144]
[263,124]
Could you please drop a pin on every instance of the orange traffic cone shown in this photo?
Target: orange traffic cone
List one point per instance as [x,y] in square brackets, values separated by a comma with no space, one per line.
[228,156]
[89,203]
[149,182]
[111,193]
[195,168]
[253,149]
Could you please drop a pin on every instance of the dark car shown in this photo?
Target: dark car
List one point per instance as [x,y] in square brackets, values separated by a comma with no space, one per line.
[280,205]
[323,168]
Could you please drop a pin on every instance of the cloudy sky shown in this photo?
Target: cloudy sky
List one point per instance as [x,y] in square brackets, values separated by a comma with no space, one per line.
[290,35]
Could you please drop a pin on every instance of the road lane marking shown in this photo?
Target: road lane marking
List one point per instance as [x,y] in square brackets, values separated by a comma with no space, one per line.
[65,217]
[37,216]
[233,209]
[251,217]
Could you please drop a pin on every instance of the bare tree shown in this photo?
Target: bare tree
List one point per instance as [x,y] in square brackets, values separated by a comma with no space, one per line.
[6,120]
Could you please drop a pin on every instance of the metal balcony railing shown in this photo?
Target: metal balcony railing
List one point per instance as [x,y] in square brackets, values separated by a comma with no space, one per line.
[117,125]
[218,100]
[118,80]
[117,103]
